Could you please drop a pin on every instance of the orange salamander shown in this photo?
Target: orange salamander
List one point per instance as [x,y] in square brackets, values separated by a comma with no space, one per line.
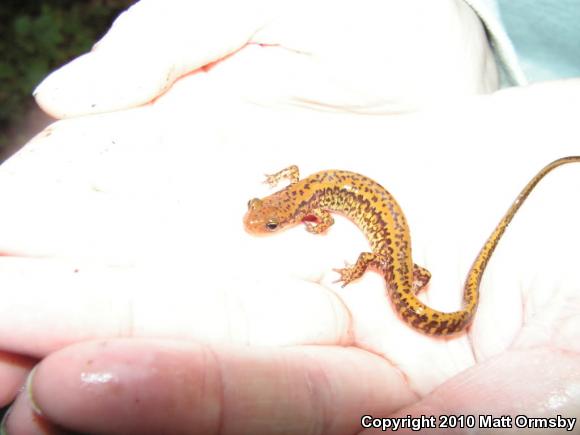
[377,214]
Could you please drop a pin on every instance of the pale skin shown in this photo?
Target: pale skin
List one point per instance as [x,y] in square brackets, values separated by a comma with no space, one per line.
[128,275]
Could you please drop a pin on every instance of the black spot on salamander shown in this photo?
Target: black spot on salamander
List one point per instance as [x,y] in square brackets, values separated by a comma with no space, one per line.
[442,327]
[421,319]
[432,324]
[405,314]
[453,327]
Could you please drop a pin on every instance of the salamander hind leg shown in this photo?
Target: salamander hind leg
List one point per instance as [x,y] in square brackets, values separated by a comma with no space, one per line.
[364,261]
[324,220]
[421,277]
[291,173]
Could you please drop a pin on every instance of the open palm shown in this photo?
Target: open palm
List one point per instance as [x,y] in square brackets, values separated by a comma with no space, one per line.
[127,264]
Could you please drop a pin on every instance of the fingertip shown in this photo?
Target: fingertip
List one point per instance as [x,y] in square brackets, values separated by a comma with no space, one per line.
[98,82]
[142,387]
[146,50]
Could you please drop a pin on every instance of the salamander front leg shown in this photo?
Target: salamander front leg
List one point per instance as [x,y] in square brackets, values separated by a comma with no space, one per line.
[291,173]
[324,221]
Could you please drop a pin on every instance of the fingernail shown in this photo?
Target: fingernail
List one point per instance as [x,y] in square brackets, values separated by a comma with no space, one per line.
[28,389]
[3,430]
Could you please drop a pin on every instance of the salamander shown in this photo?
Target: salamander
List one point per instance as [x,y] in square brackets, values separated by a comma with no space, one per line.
[376,212]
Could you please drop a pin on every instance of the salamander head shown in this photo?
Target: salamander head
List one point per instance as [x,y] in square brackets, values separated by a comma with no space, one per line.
[267,215]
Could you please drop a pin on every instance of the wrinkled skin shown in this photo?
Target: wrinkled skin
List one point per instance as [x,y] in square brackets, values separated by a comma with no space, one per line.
[128,277]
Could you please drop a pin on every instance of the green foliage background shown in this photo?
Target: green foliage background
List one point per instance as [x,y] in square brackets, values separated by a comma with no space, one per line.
[35,38]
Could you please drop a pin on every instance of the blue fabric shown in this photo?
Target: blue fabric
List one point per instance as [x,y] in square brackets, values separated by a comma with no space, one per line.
[506,57]
[532,39]
[545,35]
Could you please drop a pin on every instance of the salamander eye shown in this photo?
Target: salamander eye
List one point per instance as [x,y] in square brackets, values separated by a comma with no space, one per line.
[272,224]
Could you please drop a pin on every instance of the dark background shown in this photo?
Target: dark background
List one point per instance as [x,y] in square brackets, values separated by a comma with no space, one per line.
[37,37]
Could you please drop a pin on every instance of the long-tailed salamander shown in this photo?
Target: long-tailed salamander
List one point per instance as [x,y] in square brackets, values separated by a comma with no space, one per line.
[374,210]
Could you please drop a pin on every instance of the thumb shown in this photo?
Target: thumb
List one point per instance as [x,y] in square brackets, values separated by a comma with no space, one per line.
[148,47]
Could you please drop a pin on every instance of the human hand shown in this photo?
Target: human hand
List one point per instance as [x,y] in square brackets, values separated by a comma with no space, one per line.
[165,256]
[117,190]
[346,56]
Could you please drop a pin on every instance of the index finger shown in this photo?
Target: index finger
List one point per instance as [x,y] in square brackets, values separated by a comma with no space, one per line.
[148,47]
[53,303]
